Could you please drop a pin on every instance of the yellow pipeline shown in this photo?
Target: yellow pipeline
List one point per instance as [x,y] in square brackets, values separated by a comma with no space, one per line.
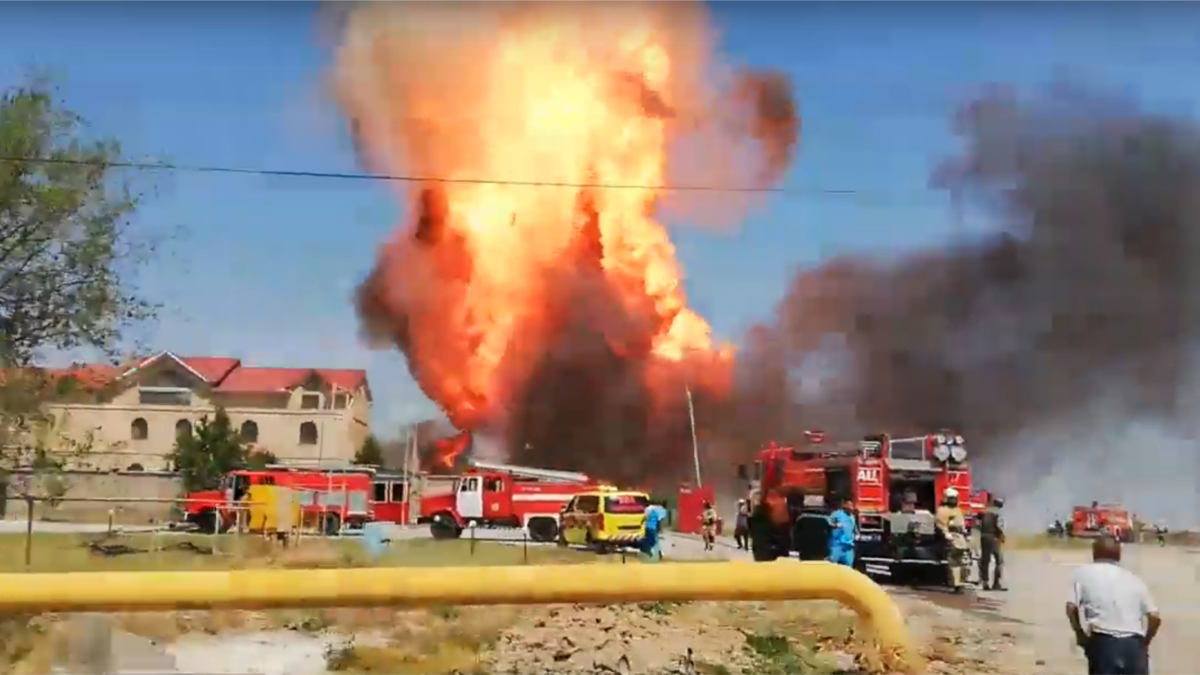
[424,586]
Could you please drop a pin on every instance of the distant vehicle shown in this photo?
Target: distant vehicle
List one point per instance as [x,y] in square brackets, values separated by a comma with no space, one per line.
[791,490]
[502,495]
[1100,519]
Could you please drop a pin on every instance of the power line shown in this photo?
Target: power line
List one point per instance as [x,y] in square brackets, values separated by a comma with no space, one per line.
[402,178]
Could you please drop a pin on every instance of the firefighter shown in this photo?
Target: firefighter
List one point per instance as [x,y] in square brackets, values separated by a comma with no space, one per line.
[1160,532]
[709,521]
[952,523]
[741,529]
[841,534]
[991,545]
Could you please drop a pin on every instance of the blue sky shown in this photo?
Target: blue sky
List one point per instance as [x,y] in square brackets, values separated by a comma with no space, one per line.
[268,265]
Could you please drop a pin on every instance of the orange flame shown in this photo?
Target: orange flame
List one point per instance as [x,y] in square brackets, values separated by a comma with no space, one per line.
[570,94]
[446,451]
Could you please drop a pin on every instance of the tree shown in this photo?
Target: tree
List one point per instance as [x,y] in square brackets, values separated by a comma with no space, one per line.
[259,459]
[371,453]
[68,252]
[212,450]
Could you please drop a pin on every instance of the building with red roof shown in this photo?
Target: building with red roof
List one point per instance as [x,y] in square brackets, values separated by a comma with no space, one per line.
[134,412]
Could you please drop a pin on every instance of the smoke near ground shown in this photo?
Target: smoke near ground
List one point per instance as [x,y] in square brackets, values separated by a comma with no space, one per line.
[1061,345]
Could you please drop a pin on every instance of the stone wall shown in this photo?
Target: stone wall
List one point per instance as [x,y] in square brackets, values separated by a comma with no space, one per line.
[132,487]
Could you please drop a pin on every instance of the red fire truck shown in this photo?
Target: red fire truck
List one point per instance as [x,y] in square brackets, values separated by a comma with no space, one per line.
[1107,519]
[336,498]
[502,495]
[791,489]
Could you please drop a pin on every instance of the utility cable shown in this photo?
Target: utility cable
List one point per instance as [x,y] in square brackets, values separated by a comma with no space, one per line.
[402,178]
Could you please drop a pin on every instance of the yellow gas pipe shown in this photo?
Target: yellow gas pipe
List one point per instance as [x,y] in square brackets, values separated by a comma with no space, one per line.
[427,586]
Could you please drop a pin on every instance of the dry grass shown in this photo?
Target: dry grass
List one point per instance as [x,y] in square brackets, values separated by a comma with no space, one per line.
[445,640]
[70,553]
[27,643]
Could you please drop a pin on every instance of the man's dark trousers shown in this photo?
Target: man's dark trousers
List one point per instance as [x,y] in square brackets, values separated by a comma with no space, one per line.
[1112,655]
[989,548]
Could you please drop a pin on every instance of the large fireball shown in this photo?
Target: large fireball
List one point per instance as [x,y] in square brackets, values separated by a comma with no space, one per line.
[548,304]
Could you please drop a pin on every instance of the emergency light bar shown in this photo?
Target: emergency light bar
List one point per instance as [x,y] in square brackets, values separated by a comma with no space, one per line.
[946,447]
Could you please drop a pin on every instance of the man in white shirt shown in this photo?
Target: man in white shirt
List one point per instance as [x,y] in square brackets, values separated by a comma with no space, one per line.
[1112,613]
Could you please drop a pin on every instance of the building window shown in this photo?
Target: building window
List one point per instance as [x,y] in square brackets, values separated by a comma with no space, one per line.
[165,396]
[183,429]
[249,432]
[341,401]
[139,430]
[308,433]
[310,401]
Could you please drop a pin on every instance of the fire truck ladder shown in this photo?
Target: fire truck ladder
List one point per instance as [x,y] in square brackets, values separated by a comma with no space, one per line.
[547,475]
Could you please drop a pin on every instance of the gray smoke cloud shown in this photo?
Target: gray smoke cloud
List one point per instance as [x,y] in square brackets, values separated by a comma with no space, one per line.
[1061,345]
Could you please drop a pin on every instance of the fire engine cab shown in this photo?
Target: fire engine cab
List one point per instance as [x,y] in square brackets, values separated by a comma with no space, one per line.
[792,490]
[502,495]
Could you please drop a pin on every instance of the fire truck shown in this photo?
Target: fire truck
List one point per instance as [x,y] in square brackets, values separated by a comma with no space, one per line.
[336,498]
[792,489]
[501,495]
[1097,519]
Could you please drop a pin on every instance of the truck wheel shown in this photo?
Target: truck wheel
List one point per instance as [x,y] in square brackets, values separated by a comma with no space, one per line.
[443,526]
[542,529]
[331,525]
[207,522]
[763,550]
[597,547]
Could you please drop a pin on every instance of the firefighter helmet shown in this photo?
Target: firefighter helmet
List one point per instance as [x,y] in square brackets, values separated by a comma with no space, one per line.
[950,493]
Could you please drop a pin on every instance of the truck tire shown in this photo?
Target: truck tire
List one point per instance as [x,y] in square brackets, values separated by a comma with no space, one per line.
[443,526]
[331,525]
[763,547]
[542,530]
[206,521]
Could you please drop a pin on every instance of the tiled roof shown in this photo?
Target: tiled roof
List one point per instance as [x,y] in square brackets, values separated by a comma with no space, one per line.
[282,379]
[212,368]
[221,373]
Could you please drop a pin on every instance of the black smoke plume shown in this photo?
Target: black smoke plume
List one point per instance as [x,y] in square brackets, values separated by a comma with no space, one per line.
[1087,284]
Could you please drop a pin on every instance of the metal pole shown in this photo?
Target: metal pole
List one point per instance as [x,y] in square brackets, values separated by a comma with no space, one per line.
[956,213]
[695,445]
[28,530]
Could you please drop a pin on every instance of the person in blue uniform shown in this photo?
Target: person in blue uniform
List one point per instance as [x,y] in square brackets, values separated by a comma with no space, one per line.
[841,534]
[650,545]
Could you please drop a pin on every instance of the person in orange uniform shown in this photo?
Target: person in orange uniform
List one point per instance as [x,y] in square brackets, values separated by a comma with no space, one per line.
[709,521]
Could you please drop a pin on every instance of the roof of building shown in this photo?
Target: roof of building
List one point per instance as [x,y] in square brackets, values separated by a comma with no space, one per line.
[224,374]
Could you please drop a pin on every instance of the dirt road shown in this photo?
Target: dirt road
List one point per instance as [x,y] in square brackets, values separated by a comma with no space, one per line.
[1033,610]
